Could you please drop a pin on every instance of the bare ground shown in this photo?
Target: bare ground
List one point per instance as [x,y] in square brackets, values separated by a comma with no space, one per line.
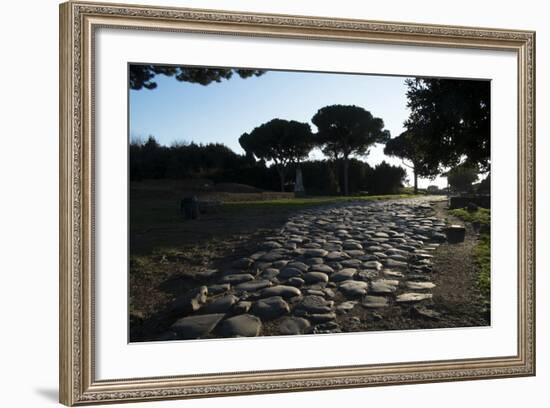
[158,276]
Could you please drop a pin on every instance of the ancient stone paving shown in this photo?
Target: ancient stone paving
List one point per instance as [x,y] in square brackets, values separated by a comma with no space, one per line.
[324,262]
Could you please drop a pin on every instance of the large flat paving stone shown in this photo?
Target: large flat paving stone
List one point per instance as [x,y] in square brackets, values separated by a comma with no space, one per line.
[235,279]
[412,297]
[315,252]
[316,277]
[244,325]
[384,286]
[321,268]
[253,286]
[289,272]
[343,275]
[189,302]
[194,327]
[375,302]
[315,304]
[294,325]
[220,305]
[346,307]
[392,263]
[353,288]
[420,285]
[270,308]
[281,290]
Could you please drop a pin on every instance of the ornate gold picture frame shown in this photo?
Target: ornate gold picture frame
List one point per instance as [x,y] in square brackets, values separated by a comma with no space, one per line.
[79,22]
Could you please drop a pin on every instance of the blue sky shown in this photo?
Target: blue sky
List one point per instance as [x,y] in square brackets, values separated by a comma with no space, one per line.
[221,112]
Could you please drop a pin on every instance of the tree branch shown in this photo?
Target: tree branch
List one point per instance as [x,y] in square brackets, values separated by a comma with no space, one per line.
[407,165]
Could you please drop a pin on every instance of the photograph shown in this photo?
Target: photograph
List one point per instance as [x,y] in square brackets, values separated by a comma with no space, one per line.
[315,201]
[267,202]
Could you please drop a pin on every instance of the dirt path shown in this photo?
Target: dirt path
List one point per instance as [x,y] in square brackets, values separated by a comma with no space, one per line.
[457,296]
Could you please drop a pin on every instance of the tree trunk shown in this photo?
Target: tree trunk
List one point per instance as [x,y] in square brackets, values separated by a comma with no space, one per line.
[336,173]
[346,176]
[415,181]
[282,178]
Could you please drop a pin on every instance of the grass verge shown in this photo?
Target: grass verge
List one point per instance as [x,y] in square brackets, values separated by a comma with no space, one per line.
[481,215]
[482,255]
[482,251]
[290,203]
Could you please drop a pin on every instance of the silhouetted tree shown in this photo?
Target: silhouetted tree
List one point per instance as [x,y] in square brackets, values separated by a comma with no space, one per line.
[320,176]
[345,130]
[461,177]
[281,141]
[219,164]
[484,186]
[382,179]
[191,160]
[385,179]
[408,146]
[453,116]
[153,159]
[142,75]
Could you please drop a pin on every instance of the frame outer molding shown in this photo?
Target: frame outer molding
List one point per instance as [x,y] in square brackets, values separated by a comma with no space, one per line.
[76,252]
[67,326]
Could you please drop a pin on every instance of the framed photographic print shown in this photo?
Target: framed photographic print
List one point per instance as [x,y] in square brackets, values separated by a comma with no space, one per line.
[256,203]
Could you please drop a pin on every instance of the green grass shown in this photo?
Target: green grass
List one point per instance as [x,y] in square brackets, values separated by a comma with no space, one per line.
[291,203]
[482,251]
[482,256]
[482,215]
[410,190]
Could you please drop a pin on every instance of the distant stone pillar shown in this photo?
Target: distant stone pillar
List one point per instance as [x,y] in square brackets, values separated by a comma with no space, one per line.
[299,184]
